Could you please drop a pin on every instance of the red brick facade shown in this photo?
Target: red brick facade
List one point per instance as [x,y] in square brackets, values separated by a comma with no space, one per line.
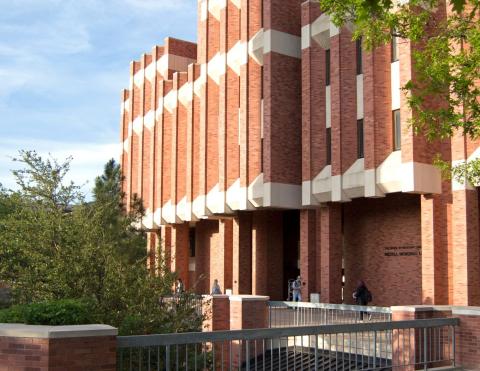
[222,137]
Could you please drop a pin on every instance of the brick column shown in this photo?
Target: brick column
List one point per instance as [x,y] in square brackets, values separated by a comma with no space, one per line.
[434,249]
[85,347]
[465,241]
[221,254]
[267,254]
[331,253]
[180,251]
[166,244]
[242,254]
[308,268]
[247,312]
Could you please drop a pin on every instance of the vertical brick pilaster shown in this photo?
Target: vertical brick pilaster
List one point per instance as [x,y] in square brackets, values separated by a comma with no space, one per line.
[331,253]
[242,254]
[180,251]
[308,258]
[465,241]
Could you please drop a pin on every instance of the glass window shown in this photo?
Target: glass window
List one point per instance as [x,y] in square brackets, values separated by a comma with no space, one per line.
[327,67]
[359,56]
[329,145]
[397,130]
[360,153]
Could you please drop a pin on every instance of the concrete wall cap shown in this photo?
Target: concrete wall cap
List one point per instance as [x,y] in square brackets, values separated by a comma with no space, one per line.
[249,298]
[413,308]
[466,311]
[55,332]
[217,296]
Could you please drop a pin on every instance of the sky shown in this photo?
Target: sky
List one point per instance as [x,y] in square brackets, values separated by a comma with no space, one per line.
[63,64]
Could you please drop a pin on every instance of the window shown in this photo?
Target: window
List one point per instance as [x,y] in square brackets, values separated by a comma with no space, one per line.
[360,138]
[397,130]
[358,44]
[191,237]
[394,49]
[327,67]
[329,145]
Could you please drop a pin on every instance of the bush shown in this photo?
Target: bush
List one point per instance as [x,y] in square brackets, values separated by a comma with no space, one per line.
[53,313]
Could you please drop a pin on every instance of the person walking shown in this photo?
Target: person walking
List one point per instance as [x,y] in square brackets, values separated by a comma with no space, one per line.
[297,289]
[362,296]
[179,287]
[216,290]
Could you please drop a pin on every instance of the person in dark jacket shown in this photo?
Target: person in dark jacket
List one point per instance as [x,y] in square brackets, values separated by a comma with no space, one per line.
[362,296]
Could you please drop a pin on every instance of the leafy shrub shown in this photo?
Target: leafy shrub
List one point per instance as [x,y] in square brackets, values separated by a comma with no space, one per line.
[54,313]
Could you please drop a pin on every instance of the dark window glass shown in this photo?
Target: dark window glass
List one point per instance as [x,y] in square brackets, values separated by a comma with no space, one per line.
[394,47]
[192,242]
[360,138]
[327,67]
[329,145]
[359,56]
[397,130]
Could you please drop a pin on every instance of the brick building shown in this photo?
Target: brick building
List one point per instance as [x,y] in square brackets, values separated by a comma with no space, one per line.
[275,146]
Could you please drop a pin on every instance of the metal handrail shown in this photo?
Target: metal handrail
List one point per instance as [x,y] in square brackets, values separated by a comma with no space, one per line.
[274,333]
[343,307]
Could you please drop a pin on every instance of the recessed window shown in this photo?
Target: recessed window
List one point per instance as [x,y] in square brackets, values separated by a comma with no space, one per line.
[327,67]
[397,130]
[358,44]
[191,237]
[394,49]
[360,153]
[329,145]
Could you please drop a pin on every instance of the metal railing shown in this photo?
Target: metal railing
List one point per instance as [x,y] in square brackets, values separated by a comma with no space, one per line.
[288,313]
[191,301]
[363,346]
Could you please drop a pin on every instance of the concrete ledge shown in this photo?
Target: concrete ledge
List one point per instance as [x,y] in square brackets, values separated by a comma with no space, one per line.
[55,332]
[214,296]
[466,311]
[413,308]
[249,298]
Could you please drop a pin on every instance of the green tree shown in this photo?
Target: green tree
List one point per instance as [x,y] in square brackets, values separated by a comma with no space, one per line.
[447,61]
[54,245]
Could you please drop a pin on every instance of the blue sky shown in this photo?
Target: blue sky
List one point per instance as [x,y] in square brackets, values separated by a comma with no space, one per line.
[63,64]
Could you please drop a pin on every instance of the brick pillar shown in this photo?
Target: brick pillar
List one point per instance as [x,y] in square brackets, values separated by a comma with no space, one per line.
[217,311]
[331,253]
[468,337]
[247,312]
[308,241]
[85,347]
[434,250]
[408,346]
[166,243]
[465,241]
[180,253]
[242,253]
[259,254]
[151,252]
[267,254]
[221,255]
